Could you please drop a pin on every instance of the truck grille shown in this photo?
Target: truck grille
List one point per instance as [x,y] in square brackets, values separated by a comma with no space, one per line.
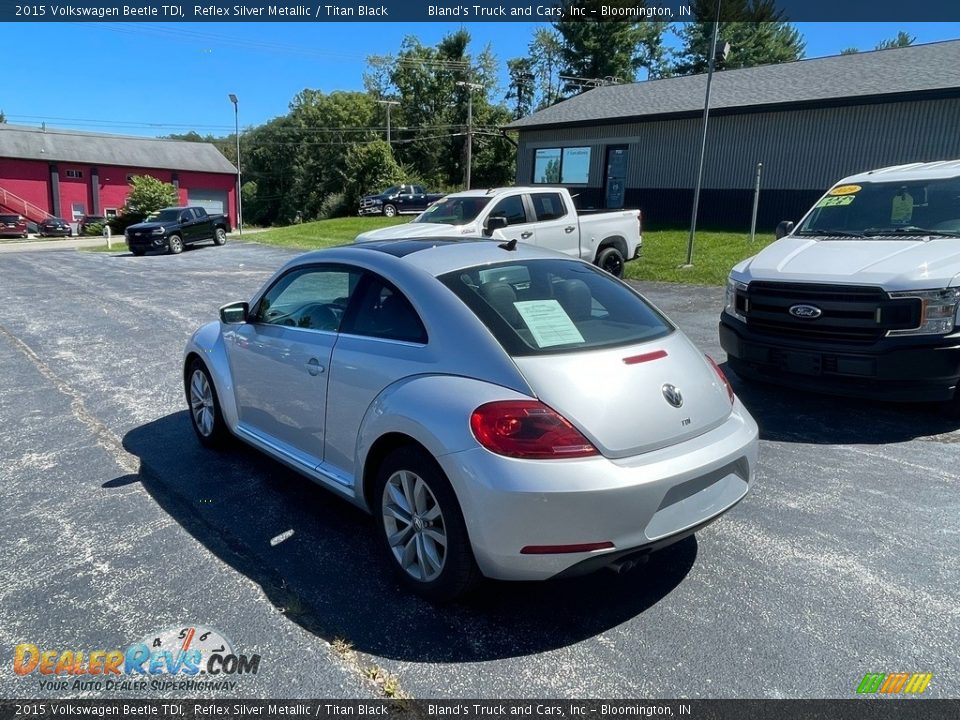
[852,314]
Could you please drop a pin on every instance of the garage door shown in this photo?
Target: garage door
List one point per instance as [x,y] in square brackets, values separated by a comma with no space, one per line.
[213,201]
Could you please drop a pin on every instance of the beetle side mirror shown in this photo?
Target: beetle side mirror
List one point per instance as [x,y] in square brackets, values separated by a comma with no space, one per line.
[784,228]
[494,223]
[234,313]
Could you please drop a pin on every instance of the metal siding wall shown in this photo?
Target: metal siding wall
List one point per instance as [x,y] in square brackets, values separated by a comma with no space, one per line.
[800,149]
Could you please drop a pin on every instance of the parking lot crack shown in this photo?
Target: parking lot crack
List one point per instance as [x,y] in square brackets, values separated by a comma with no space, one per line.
[102,434]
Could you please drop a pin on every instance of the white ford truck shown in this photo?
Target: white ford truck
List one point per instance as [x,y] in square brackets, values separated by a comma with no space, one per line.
[862,297]
[543,216]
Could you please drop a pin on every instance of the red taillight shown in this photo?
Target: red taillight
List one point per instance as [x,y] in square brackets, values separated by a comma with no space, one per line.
[723,378]
[527,429]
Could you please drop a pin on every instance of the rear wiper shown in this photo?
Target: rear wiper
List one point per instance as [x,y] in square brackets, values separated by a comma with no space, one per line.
[830,233]
[911,230]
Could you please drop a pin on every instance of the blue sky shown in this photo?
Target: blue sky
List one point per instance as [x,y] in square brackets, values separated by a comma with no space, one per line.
[167,78]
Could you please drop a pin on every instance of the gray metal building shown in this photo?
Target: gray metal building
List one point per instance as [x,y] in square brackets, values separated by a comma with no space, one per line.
[809,122]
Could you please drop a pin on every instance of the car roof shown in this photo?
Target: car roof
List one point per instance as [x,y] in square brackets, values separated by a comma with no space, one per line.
[941,170]
[436,256]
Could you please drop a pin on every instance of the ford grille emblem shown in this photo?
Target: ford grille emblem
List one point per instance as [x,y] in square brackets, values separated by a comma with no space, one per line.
[807,312]
[672,395]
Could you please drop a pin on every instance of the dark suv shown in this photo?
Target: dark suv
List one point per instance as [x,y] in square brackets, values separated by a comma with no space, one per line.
[13,226]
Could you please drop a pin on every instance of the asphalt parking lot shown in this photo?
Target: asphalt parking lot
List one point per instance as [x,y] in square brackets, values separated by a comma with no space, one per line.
[841,561]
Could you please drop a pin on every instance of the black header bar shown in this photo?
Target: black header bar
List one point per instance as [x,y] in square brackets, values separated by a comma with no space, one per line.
[452,11]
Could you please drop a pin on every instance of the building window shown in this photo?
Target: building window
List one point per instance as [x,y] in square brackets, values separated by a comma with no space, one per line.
[79,210]
[110,212]
[74,173]
[562,165]
[546,165]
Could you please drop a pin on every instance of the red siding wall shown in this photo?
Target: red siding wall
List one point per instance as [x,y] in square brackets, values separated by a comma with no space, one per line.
[30,179]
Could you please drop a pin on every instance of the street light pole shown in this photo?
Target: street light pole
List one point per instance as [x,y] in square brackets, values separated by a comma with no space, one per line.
[389,104]
[703,141]
[236,131]
[470,88]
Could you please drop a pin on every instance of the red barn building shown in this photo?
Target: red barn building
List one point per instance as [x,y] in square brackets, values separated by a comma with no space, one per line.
[70,173]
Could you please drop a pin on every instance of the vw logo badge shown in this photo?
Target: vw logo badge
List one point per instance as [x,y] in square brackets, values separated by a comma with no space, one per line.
[672,395]
[806,312]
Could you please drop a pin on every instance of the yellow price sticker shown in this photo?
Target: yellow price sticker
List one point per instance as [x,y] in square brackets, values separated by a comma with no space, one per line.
[845,190]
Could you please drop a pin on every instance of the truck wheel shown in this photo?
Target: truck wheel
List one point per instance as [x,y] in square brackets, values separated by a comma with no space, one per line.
[175,245]
[389,210]
[138,252]
[220,236]
[611,260]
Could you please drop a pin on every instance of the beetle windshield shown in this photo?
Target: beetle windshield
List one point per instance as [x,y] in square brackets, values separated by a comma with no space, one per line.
[454,211]
[536,307]
[873,209]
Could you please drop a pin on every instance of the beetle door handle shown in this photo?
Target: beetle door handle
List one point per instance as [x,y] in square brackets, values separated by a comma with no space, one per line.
[526,234]
[570,228]
[314,367]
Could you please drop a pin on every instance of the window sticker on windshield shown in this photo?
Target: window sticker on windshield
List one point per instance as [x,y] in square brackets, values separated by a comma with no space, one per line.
[836,201]
[845,190]
[548,323]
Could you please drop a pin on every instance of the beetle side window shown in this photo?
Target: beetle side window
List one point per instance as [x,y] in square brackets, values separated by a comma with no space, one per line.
[512,209]
[310,298]
[382,311]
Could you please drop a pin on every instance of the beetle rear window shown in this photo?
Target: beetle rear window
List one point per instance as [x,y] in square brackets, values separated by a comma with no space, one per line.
[539,307]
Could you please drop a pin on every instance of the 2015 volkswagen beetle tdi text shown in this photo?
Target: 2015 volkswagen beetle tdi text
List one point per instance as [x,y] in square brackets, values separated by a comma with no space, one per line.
[502,410]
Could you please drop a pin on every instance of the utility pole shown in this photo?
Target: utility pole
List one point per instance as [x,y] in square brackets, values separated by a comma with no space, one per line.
[703,142]
[236,126]
[389,104]
[470,88]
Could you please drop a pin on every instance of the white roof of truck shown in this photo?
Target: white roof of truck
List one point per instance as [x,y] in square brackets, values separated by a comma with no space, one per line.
[905,173]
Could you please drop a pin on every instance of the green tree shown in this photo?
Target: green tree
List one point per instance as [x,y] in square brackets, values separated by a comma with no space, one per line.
[369,168]
[755,30]
[903,39]
[606,48]
[147,195]
[850,51]
[433,87]
[522,85]
[3,117]
[544,53]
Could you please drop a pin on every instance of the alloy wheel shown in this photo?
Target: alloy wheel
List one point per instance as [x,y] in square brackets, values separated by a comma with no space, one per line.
[415,527]
[201,403]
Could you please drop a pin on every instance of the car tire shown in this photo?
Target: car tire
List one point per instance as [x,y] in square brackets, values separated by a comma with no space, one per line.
[389,210]
[219,236]
[139,252]
[414,506]
[175,245]
[611,260]
[204,406]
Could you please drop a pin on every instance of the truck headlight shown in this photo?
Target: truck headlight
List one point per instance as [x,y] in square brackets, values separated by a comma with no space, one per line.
[157,231]
[939,311]
[730,298]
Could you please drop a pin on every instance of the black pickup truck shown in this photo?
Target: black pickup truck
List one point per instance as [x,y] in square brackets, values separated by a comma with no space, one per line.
[398,199]
[172,228]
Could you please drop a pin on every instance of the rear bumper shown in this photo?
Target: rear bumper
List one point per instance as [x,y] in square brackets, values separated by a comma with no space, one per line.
[635,504]
[897,369]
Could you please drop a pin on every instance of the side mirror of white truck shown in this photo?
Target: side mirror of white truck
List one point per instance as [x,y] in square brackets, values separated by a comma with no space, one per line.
[784,228]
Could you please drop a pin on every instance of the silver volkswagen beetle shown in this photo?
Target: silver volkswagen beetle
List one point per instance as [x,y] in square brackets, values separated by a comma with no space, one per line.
[502,410]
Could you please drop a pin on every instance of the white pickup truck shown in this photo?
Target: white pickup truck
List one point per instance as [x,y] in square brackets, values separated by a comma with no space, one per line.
[862,297]
[543,216]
